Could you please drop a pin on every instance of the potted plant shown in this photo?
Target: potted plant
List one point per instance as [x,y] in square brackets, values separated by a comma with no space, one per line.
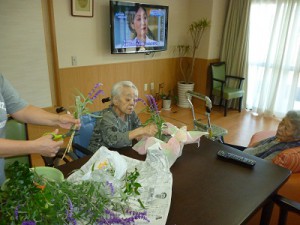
[185,83]
[166,100]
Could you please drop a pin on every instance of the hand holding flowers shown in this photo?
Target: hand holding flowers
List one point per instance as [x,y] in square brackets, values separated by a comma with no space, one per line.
[81,109]
[155,123]
[67,121]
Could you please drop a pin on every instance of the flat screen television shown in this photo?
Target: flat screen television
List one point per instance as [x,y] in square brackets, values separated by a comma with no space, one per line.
[138,27]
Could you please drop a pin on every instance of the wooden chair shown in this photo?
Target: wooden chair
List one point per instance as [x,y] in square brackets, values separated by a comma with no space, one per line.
[221,85]
[286,205]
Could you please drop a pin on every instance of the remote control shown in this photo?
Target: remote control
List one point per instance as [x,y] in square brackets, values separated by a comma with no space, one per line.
[227,155]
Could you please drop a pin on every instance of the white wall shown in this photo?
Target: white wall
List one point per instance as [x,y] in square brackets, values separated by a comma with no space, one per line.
[23,58]
[89,38]
[215,11]
[217,27]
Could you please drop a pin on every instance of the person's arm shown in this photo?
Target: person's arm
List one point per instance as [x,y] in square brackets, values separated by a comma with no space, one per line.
[43,145]
[148,131]
[108,132]
[35,115]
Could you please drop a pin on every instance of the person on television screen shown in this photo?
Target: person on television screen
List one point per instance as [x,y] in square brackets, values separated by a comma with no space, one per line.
[138,25]
[119,124]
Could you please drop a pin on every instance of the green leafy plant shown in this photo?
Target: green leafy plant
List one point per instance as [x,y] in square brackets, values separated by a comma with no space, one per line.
[155,117]
[81,108]
[196,30]
[31,199]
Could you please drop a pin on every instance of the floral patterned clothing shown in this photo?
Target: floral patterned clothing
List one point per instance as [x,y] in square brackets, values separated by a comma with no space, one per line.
[111,131]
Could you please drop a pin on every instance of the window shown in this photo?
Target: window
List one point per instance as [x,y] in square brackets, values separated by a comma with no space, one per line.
[274,57]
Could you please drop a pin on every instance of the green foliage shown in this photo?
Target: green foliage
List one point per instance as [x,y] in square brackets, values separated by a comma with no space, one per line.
[29,197]
[196,30]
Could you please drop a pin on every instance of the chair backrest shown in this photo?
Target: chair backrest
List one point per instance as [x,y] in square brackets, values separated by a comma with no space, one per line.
[218,71]
[85,132]
[16,130]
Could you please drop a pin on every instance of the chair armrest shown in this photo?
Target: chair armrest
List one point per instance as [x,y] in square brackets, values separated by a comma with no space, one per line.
[222,81]
[287,204]
[82,149]
[235,77]
[240,80]
[258,136]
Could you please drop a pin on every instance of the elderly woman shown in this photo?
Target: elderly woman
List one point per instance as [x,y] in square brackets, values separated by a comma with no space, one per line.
[287,136]
[119,124]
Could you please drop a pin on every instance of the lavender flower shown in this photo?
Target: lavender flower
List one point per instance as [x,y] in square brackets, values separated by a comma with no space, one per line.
[17,212]
[92,92]
[153,105]
[96,94]
[113,218]
[112,190]
[70,217]
[28,222]
[140,100]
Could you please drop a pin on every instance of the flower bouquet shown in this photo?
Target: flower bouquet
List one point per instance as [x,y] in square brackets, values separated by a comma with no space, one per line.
[81,109]
[169,138]
[30,199]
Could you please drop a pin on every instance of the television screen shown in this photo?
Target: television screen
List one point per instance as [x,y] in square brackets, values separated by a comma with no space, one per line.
[138,28]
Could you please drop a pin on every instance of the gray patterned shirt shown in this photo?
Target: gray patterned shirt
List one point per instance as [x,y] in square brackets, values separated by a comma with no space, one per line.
[111,131]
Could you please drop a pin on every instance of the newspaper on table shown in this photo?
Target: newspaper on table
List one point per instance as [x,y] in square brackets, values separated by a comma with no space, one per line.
[155,178]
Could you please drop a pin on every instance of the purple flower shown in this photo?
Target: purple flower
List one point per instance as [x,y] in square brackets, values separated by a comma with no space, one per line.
[70,217]
[28,222]
[93,94]
[94,89]
[140,100]
[113,218]
[17,212]
[112,190]
[152,102]
[96,94]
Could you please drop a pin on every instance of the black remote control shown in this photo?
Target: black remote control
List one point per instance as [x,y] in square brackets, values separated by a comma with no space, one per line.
[227,155]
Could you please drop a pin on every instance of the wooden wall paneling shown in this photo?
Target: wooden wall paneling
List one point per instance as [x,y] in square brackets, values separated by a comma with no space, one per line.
[84,78]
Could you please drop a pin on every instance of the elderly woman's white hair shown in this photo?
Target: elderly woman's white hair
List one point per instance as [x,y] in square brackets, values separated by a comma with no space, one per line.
[117,88]
[294,117]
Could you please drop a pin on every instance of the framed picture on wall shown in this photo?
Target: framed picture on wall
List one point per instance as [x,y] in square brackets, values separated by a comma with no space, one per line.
[83,8]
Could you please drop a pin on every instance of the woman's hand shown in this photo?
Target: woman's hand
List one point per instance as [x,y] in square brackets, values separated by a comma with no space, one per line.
[67,121]
[46,146]
[150,130]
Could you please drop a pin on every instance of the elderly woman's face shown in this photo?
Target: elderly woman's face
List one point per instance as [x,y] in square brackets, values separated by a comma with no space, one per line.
[126,102]
[285,130]
[140,23]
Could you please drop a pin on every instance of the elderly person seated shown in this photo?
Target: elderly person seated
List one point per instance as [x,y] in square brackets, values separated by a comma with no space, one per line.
[119,124]
[287,136]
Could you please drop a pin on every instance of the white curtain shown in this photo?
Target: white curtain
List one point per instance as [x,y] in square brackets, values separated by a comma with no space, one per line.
[234,48]
[273,84]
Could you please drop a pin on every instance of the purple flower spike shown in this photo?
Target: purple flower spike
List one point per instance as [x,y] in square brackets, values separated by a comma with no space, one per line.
[94,89]
[110,185]
[153,104]
[96,95]
[29,222]
[17,213]
[70,217]
[140,100]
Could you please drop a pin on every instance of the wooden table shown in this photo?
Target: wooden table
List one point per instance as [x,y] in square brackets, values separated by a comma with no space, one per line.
[210,191]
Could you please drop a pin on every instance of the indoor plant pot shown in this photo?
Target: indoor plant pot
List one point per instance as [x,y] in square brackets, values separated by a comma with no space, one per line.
[196,31]
[182,89]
